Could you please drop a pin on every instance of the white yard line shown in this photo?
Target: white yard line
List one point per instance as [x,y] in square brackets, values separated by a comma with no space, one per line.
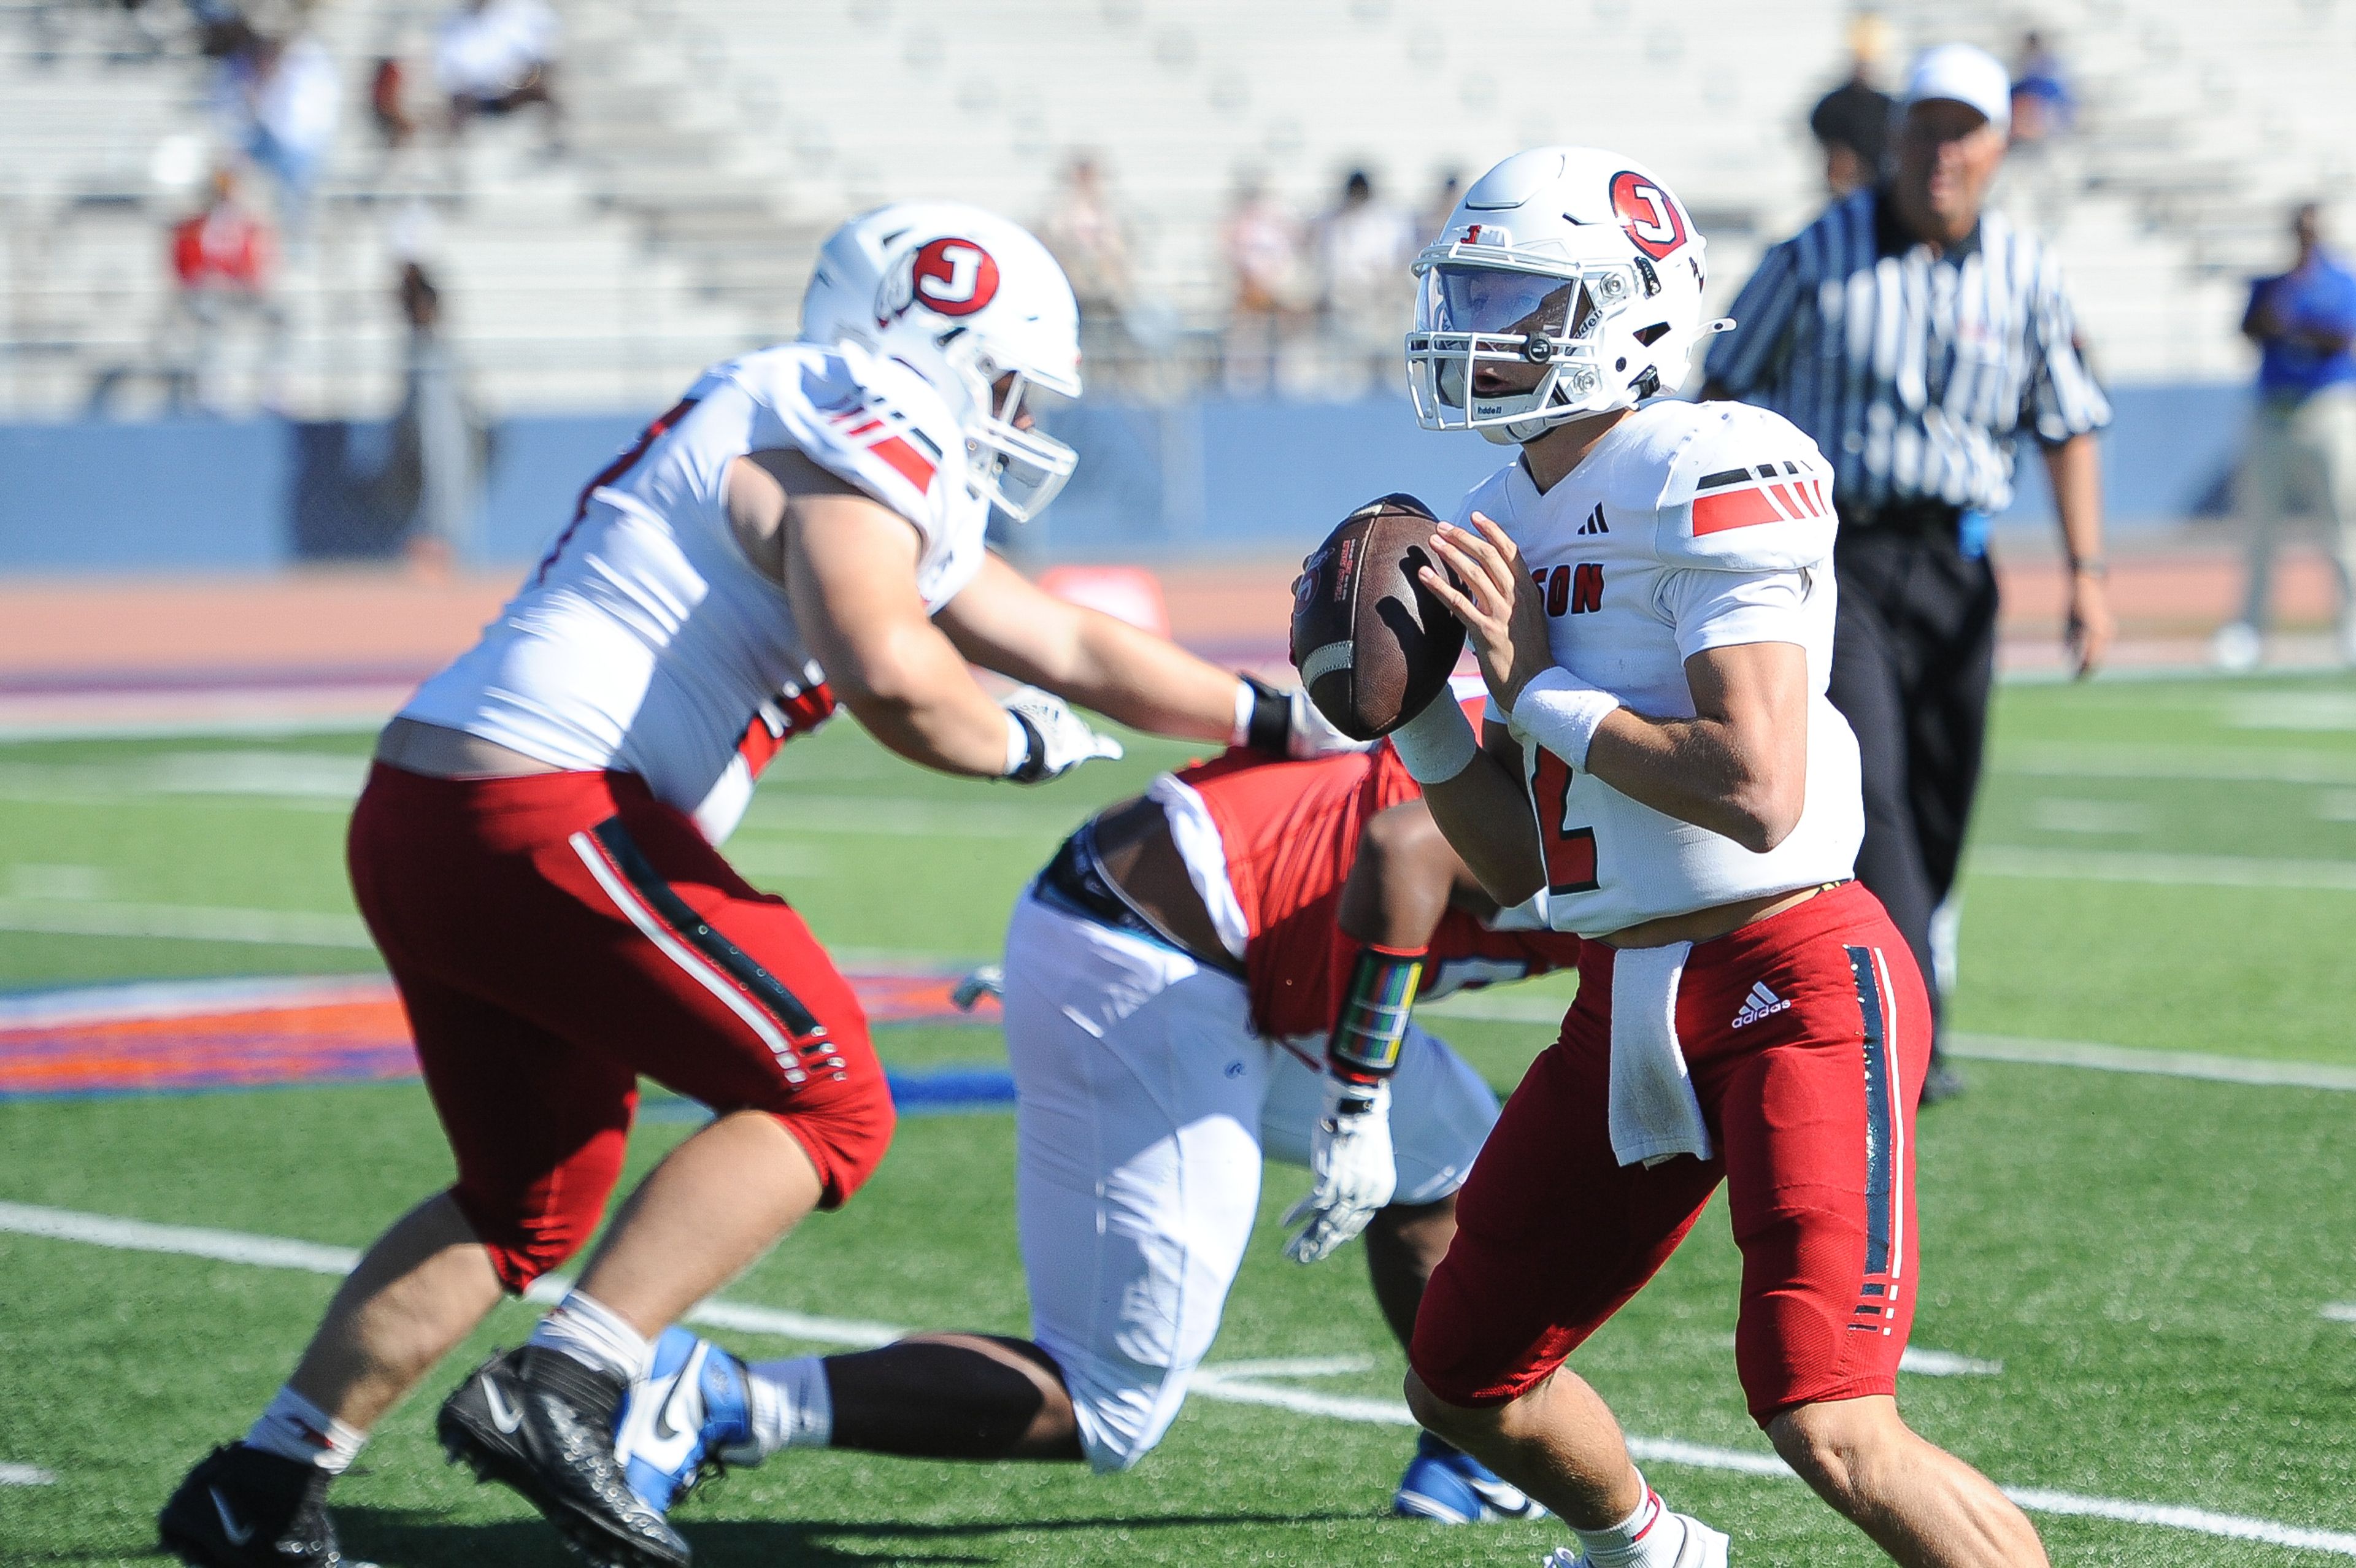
[1212,1382]
[26,1476]
[2159,1064]
[2129,760]
[2163,870]
[185,922]
[2342,1311]
[1931,1363]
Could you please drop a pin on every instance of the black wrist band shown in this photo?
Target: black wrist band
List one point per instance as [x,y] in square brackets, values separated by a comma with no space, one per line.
[1034,758]
[1270,729]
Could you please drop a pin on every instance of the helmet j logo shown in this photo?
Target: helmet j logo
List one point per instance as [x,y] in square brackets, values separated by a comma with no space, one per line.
[1647,213]
[953,277]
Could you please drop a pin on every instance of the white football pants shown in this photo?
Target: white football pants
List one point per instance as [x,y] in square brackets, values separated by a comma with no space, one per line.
[1144,1104]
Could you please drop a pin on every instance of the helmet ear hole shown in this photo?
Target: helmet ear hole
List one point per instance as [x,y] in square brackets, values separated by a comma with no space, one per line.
[1648,335]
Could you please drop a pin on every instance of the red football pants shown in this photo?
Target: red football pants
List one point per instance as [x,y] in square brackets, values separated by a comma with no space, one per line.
[1810,1105]
[553,938]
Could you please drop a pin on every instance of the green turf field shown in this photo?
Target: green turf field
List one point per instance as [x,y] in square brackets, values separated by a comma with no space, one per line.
[2169,866]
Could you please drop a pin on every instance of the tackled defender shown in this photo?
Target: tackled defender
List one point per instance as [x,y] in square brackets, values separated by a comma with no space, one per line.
[1220,968]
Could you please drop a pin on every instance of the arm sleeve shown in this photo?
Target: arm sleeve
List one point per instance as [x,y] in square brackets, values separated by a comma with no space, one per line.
[2063,397]
[1722,608]
[1753,353]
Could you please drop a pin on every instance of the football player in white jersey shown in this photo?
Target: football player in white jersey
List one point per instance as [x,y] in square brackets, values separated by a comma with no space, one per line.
[534,854]
[1648,588]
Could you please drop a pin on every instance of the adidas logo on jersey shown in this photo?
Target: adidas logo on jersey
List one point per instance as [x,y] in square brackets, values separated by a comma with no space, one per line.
[1760,1004]
[1595,523]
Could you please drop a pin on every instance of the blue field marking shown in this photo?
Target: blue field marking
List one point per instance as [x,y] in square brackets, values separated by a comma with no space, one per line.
[964,1090]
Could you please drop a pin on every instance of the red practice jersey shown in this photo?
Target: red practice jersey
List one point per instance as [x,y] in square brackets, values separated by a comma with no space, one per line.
[1290,831]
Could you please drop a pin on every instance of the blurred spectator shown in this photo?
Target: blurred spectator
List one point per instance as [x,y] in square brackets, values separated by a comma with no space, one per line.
[2303,437]
[1364,247]
[1851,123]
[223,258]
[432,476]
[2043,103]
[388,111]
[1263,243]
[1089,238]
[495,57]
[283,98]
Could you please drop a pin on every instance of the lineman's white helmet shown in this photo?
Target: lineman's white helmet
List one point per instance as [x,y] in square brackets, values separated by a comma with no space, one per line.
[1573,259]
[840,301]
[977,307]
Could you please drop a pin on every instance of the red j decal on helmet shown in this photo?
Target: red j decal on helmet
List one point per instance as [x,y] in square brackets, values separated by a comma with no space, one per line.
[1648,214]
[954,277]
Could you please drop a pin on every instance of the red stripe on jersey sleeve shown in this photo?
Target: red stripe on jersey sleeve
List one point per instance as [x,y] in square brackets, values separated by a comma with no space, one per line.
[906,460]
[1732,509]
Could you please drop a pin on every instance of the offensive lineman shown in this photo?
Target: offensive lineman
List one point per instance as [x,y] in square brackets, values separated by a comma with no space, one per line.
[1649,592]
[534,855]
[1221,966]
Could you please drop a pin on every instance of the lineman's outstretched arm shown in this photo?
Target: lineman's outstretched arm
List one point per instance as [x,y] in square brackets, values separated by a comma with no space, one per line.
[1003,621]
[849,567]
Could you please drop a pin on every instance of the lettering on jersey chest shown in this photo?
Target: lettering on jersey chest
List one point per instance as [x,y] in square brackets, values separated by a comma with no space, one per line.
[1574,587]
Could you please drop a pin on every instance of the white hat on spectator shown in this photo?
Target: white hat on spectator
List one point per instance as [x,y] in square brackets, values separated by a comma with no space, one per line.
[1966,74]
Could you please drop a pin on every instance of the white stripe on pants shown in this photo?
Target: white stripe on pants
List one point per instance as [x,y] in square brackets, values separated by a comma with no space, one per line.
[1143,1105]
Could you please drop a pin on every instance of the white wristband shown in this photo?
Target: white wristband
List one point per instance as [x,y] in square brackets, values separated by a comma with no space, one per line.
[1018,746]
[1246,700]
[1437,743]
[1562,713]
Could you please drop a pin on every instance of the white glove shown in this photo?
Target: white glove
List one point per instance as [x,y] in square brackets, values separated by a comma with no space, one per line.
[990,981]
[1350,1158]
[1046,740]
[1285,722]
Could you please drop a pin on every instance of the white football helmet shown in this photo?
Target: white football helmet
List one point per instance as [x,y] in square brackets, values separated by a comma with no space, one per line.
[966,299]
[1571,259]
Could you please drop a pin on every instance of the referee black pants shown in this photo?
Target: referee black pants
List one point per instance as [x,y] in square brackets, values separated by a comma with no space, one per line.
[1913,657]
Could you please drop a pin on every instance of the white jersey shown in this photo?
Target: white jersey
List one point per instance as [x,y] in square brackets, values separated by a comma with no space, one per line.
[647,643]
[1689,525]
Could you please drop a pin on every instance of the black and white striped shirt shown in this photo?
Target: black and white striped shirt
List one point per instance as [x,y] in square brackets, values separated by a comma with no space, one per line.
[1912,373]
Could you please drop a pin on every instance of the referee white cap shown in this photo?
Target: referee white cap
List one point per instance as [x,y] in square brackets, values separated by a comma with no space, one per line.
[1966,74]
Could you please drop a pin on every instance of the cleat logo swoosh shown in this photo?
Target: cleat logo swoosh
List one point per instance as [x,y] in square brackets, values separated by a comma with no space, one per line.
[504,1416]
[667,1426]
[238,1534]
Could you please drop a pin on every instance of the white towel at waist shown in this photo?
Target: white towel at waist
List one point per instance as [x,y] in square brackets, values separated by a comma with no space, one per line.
[1654,1114]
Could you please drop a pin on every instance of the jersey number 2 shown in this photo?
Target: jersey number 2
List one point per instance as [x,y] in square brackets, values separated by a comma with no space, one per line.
[1569,851]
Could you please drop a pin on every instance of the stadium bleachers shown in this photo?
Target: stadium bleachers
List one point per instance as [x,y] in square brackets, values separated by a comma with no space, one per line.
[712,142]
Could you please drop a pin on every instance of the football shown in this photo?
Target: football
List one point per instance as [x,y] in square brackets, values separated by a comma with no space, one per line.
[1373,644]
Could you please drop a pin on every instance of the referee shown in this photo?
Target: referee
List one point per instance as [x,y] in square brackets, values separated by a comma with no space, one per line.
[1913,335]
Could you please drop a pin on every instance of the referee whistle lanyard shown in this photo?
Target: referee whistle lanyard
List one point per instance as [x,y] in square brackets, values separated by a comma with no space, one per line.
[1972,535]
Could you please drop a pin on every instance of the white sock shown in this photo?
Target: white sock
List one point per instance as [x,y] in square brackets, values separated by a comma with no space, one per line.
[592,1333]
[792,1406]
[294,1428]
[1634,1541]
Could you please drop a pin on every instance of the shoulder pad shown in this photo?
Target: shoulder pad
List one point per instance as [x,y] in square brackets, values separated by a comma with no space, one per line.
[1745,491]
[871,421]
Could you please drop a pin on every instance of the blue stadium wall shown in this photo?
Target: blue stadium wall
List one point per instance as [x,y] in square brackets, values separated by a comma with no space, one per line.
[1216,477]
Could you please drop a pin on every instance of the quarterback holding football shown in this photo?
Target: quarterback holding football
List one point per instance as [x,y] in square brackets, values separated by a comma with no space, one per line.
[1648,588]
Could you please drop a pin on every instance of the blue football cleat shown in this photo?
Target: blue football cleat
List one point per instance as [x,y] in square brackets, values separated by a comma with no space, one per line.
[690,1418]
[1449,1486]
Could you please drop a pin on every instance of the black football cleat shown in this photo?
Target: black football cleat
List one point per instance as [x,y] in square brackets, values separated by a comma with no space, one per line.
[541,1422]
[1942,1082]
[241,1508]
